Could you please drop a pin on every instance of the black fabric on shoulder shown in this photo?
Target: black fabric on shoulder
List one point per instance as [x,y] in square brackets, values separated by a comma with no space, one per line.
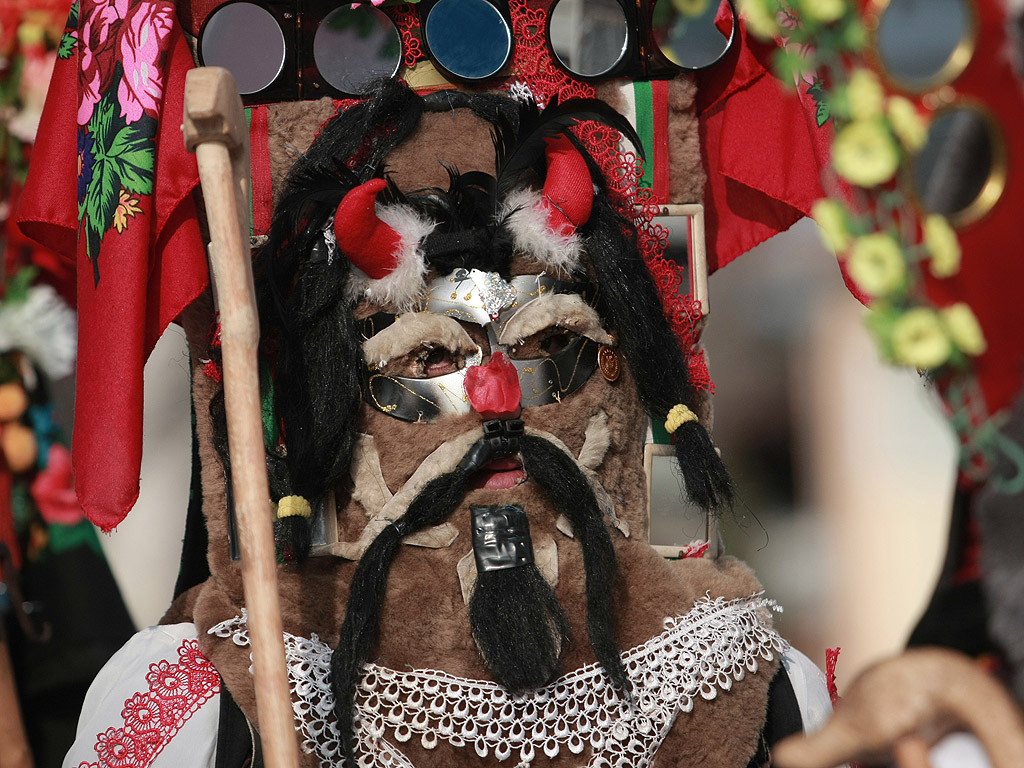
[783,718]
[238,745]
[957,614]
[194,567]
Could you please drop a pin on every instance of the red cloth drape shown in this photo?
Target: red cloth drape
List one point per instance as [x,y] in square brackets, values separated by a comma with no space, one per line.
[112,120]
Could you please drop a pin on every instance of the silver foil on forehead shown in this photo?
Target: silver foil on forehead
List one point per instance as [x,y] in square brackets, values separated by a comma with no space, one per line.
[486,299]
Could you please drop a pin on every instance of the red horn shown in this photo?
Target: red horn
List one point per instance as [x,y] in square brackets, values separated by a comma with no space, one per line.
[568,188]
[368,242]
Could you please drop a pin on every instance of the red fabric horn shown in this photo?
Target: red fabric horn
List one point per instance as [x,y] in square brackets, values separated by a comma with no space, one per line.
[568,188]
[368,242]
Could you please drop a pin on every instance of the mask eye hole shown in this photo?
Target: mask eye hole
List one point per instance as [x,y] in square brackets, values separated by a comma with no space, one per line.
[544,343]
[438,362]
[428,361]
[420,345]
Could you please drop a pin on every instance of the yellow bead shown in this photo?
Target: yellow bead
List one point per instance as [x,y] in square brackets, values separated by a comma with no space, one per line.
[289,506]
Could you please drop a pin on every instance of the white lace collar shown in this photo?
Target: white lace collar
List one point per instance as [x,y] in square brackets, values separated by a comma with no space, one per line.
[716,643]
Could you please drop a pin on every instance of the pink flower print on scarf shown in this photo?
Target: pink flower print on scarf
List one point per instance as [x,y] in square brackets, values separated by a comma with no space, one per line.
[144,31]
[97,37]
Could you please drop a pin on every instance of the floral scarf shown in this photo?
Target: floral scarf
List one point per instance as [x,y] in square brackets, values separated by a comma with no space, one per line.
[110,189]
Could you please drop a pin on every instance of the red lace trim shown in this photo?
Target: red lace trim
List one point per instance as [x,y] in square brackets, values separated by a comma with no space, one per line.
[152,718]
[408,22]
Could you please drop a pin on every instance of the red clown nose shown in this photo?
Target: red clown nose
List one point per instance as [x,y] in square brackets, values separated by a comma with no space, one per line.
[493,389]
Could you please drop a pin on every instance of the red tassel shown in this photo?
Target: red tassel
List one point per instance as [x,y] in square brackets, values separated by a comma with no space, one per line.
[831,659]
[368,242]
[568,188]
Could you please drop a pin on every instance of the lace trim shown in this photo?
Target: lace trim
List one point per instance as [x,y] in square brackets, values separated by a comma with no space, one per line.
[714,645]
[408,22]
[152,718]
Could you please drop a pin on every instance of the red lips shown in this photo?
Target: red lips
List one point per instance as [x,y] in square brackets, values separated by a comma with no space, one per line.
[500,474]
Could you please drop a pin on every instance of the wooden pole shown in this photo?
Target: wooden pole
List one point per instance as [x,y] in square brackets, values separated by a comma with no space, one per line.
[215,129]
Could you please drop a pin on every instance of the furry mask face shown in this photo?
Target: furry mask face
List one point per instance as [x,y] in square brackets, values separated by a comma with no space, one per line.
[474,377]
[493,267]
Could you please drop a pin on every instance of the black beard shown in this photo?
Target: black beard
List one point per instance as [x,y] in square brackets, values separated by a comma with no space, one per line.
[524,664]
[518,626]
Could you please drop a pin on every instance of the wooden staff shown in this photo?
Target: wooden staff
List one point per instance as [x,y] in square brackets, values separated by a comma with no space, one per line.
[215,129]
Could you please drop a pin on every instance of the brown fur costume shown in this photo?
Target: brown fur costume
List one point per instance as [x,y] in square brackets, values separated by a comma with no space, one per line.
[424,622]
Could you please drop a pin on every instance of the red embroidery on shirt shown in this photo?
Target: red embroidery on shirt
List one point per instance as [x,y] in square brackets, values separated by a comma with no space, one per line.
[152,718]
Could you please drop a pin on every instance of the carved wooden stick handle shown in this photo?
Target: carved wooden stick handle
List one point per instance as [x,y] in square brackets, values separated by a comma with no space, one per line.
[215,130]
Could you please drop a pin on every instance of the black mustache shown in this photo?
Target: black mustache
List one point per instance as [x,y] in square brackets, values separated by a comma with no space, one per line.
[570,493]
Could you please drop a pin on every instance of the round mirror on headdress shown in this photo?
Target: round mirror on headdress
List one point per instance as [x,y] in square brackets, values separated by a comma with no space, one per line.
[589,39]
[467,40]
[923,44]
[639,39]
[248,41]
[960,171]
[689,33]
[353,46]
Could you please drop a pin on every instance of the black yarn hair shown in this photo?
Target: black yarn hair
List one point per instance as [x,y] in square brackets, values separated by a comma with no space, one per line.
[565,486]
[292,537]
[305,314]
[518,626]
[465,233]
[432,506]
[651,349]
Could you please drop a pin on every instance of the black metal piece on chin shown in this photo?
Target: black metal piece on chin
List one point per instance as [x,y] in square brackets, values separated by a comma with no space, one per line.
[501,438]
[501,537]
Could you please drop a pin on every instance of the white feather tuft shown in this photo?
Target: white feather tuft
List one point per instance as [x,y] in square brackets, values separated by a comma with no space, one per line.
[526,216]
[42,327]
[404,287]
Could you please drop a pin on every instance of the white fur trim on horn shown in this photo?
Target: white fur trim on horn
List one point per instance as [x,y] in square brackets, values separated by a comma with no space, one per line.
[526,216]
[406,285]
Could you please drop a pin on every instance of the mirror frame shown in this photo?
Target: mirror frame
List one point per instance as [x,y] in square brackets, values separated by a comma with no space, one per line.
[955,65]
[424,7]
[991,191]
[286,86]
[314,84]
[711,529]
[697,253]
[300,77]
[643,59]
[620,62]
